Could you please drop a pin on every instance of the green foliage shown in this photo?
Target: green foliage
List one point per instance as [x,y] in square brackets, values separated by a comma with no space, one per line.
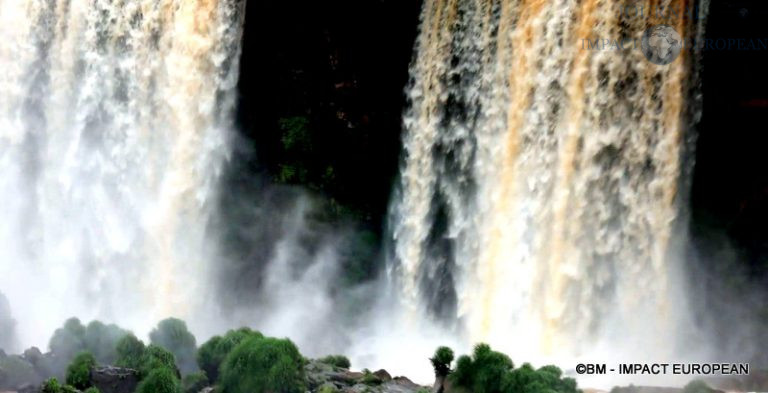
[327,389]
[130,352]
[79,371]
[296,135]
[488,371]
[261,365]
[133,354]
[72,338]
[92,389]
[195,382]
[211,355]
[68,340]
[155,357]
[101,340]
[52,385]
[160,380]
[484,371]
[441,361]
[369,378]
[173,335]
[546,379]
[697,386]
[336,361]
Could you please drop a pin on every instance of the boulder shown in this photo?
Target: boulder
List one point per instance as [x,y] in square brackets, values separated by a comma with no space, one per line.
[33,356]
[383,375]
[109,379]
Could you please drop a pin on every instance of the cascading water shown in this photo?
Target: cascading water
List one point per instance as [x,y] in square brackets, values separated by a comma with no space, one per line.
[539,197]
[114,126]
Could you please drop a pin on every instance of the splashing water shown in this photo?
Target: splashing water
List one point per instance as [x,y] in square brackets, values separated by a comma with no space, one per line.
[114,126]
[538,205]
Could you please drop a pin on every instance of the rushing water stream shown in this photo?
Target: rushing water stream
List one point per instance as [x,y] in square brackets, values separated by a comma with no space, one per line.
[114,126]
[539,206]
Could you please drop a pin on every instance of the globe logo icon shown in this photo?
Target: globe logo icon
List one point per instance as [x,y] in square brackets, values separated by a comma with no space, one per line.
[661,44]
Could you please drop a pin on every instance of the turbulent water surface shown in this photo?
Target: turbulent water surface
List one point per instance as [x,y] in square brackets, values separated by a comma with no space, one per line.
[539,203]
[114,126]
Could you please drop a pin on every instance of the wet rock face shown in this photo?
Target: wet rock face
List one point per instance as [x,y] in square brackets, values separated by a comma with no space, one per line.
[324,378]
[111,379]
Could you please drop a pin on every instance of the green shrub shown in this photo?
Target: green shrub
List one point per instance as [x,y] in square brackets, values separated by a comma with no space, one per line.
[79,371]
[52,385]
[68,340]
[336,361]
[157,357]
[484,371]
[130,352]
[369,378]
[526,379]
[173,335]
[488,371]
[328,389]
[101,340]
[195,382]
[160,380]
[92,390]
[261,365]
[211,355]
[441,361]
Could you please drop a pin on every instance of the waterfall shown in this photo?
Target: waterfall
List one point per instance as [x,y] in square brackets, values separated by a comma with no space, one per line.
[115,122]
[539,203]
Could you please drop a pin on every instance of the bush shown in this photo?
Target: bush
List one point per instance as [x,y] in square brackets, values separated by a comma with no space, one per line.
[101,340]
[91,390]
[211,355]
[488,371]
[195,382]
[79,371]
[546,379]
[53,386]
[336,361]
[68,340]
[130,352]
[484,371]
[261,365]
[160,380]
[156,357]
[173,335]
[441,361]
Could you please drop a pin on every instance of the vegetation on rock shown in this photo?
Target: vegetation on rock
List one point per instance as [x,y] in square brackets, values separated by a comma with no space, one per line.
[488,371]
[195,382]
[336,361]
[160,380]
[173,335]
[441,361]
[79,371]
[261,365]
[211,355]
